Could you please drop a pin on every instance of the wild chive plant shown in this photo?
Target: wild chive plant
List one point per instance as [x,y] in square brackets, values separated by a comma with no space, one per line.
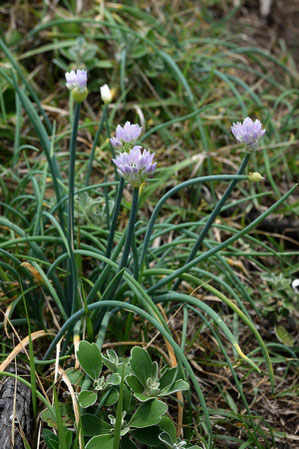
[134,166]
[126,275]
[76,82]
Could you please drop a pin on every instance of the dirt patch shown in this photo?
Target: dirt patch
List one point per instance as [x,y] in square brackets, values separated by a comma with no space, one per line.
[282,22]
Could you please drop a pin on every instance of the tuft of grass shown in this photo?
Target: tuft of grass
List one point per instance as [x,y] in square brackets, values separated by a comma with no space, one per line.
[185,73]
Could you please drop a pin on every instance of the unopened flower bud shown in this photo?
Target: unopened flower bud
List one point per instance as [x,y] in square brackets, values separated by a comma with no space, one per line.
[255,177]
[106,94]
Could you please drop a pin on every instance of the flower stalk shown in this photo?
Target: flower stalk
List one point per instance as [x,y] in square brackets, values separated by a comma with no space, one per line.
[130,164]
[130,229]
[248,133]
[114,216]
[71,186]
[95,141]
[72,281]
[76,83]
[129,234]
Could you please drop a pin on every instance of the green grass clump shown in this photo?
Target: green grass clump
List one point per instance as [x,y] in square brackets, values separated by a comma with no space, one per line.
[83,257]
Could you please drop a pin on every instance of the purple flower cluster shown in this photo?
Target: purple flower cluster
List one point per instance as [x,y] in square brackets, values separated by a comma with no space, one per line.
[135,165]
[248,132]
[76,79]
[128,134]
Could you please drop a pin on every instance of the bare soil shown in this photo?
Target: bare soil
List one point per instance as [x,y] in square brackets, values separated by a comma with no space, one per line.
[282,23]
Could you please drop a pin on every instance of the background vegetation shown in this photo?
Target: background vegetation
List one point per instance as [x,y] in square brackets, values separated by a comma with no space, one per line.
[185,72]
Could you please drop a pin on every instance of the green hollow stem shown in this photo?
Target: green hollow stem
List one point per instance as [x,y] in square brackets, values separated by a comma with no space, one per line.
[72,281]
[128,242]
[130,229]
[142,297]
[114,216]
[73,144]
[111,147]
[99,285]
[223,245]
[33,246]
[214,214]
[107,211]
[91,157]
[170,193]
[16,155]
[102,279]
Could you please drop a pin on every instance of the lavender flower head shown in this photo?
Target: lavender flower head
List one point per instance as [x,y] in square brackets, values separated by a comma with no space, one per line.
[76,79]
[128,134]
[248,132]
[135,165]
[76,83]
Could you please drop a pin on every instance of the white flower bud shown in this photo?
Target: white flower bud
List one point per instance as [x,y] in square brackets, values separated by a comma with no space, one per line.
[106,94]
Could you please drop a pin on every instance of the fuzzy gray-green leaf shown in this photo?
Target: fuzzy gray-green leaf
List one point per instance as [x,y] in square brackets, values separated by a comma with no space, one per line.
[90,359]
[148,414]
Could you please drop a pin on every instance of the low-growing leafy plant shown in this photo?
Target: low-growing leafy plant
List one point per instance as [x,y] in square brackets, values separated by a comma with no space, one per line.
[144,387]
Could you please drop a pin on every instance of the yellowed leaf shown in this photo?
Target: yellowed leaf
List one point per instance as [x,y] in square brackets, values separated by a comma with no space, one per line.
[21,347]
[237,263]
[33,271]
